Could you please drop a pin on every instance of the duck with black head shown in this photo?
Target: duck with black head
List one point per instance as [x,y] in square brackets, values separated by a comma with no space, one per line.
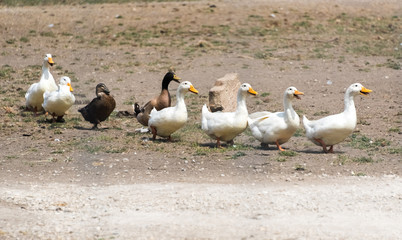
[163,100]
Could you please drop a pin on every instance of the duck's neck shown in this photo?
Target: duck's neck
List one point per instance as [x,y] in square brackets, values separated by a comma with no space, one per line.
[180,100]
[241,103]
[349,104]
[290,114]
[45,70]
[64,88]
[165,84]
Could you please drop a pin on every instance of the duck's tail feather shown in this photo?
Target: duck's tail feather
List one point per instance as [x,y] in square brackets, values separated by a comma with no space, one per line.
[84,113]
[253,121]
[306,123]
[137,109]
[204,121]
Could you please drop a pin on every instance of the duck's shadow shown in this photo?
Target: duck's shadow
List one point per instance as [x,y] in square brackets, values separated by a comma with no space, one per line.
[50,121]
[309,151]
[212,145]
[93,129]
[209,145]
[160,140]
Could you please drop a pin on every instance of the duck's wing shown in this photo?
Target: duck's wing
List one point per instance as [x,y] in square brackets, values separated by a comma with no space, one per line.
[257,115]
[88,111]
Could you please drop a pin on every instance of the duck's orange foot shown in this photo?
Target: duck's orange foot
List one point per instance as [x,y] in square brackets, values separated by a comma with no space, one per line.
[279,146]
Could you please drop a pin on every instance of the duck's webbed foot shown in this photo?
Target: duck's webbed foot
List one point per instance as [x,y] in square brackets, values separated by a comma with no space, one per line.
[324,146]
[218,143]
[153,129]
[60,119]
[279,146]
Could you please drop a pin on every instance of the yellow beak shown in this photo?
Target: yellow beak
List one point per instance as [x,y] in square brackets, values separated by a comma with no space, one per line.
[192,89]
[175,77]
[50,60]
[71,88]
[298,93]
[365,91]
[251,91]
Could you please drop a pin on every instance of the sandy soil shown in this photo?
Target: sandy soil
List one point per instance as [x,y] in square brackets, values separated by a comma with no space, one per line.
[64,181]
[348,208]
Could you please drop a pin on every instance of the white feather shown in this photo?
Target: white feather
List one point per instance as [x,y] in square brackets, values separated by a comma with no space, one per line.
[34,95]
[171,119]
[225,126]
[334,129]
[58,102]
[279,127]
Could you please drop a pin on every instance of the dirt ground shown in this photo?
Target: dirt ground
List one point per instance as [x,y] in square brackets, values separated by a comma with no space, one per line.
[65,181]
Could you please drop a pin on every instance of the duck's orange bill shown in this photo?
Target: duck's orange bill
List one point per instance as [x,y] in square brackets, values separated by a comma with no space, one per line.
[192,89]
[298,93]
[71,88]
[365,91]
[251,91]
[50,60]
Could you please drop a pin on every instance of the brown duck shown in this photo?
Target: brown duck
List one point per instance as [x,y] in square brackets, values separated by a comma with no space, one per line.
[100,107]
[160,102]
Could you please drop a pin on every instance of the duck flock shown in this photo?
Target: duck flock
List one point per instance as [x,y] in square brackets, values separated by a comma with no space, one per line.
[274,128]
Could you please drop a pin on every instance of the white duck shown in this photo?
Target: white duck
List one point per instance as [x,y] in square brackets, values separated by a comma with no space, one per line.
[34,95]
[333,129]
[58,102]
[168,120]
[225,126]
[278,127]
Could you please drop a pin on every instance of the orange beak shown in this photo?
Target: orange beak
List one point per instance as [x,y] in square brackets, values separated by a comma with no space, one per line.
[50,61]
[192,89]
[251,91]
[71,88]
[365,91]
[297,93]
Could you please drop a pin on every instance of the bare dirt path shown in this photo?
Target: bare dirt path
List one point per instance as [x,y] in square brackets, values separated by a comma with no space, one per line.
[326,208]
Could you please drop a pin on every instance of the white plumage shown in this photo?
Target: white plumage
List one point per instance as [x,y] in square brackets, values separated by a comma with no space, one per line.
[34,95]
[333,129]
[58,102]
[278,127]
[225,126]
[168,120]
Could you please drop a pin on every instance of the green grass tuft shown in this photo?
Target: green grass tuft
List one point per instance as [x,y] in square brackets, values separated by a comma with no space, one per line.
[288,153]
[363,142]
[363,159]
[299,167]
[238,154]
